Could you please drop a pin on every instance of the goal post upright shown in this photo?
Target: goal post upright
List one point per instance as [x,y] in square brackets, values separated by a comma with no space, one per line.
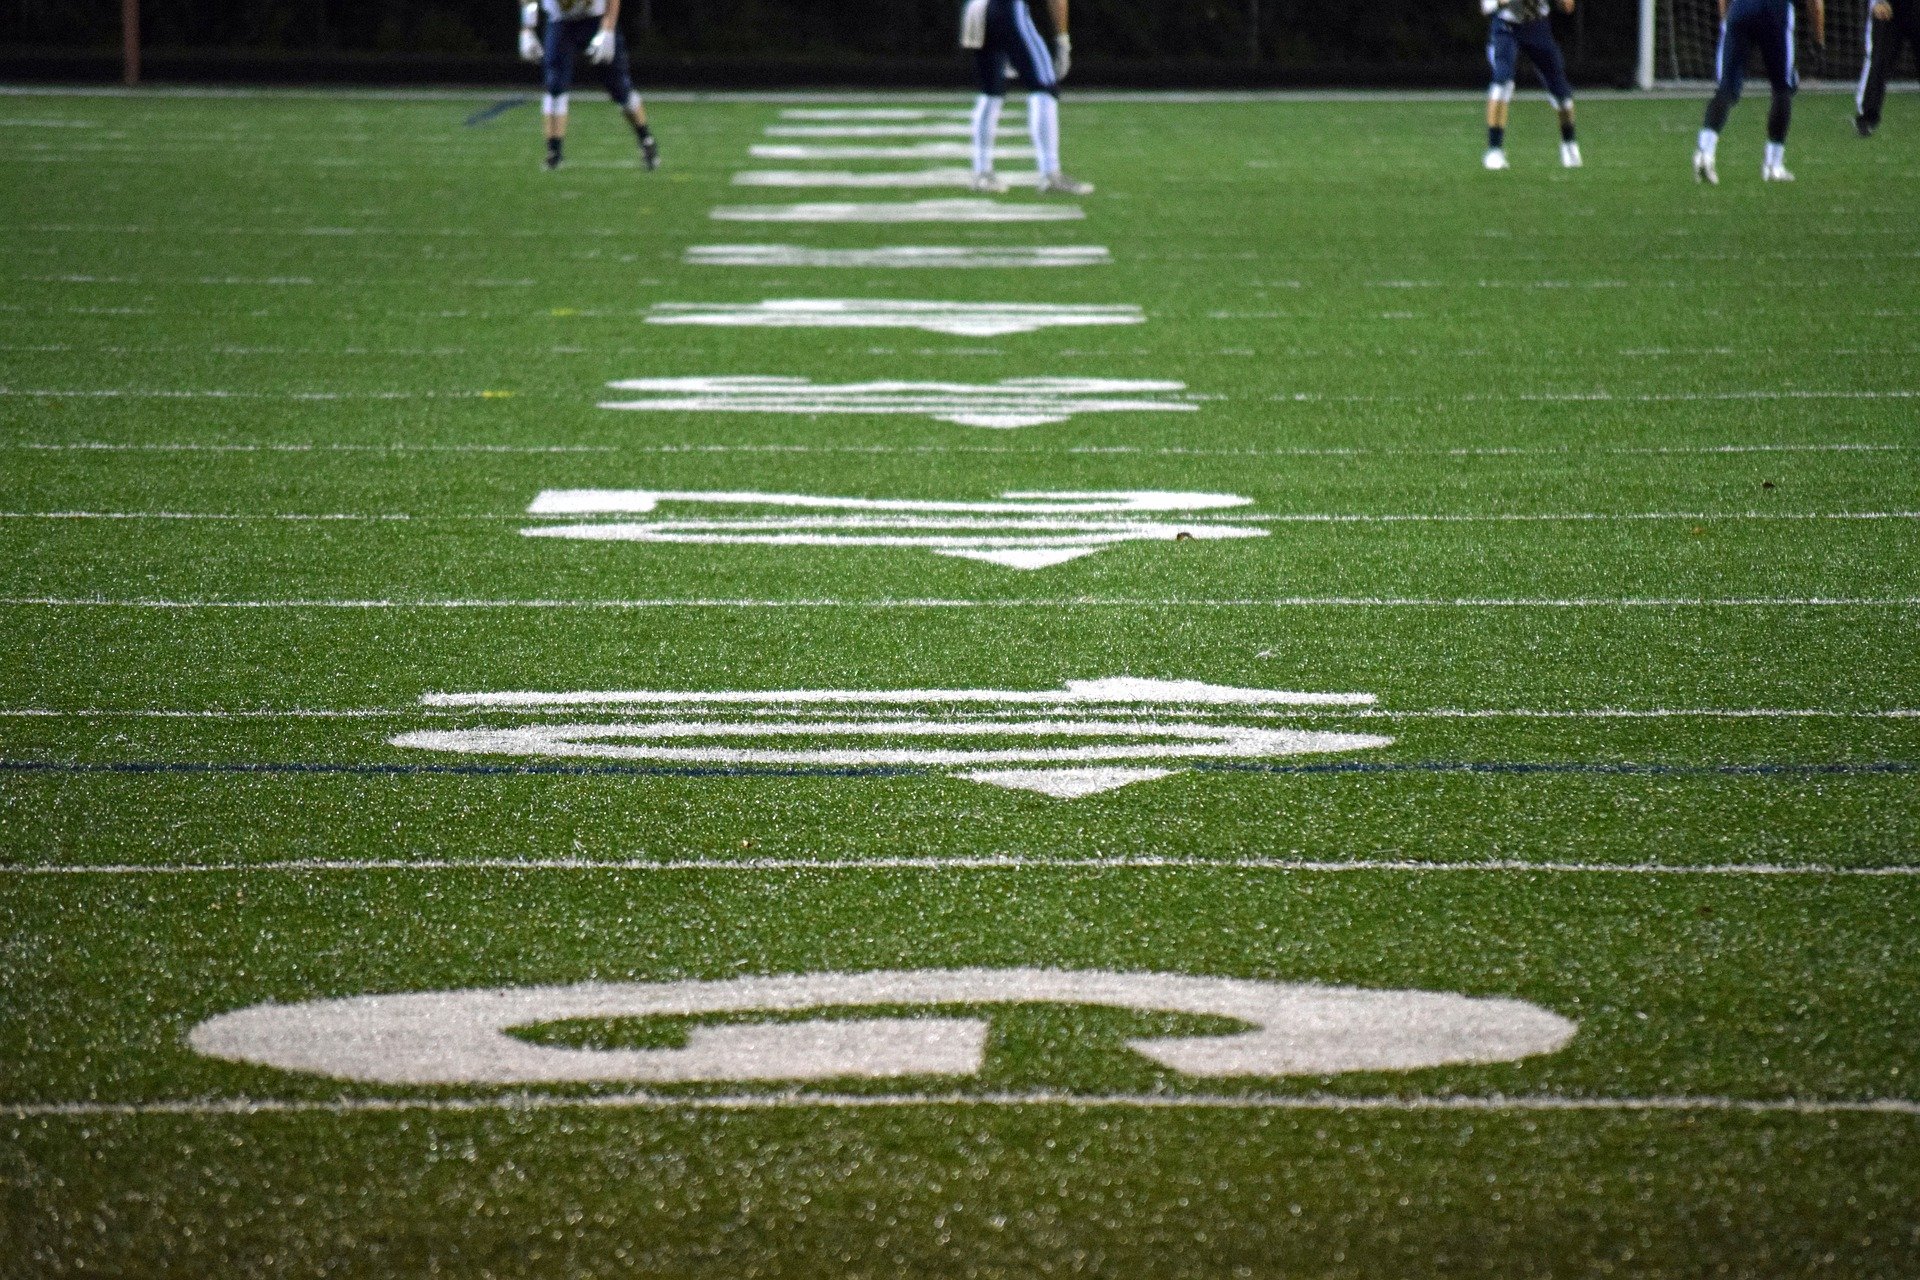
[1643,67]
[130,42]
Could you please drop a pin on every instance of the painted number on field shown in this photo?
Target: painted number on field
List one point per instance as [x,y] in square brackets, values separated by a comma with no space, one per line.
[1089,737]
[465,1037]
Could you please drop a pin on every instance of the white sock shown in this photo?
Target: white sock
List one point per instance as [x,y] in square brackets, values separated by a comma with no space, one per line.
[986,123]
[1776,155]
[1709,143]
[1043,122]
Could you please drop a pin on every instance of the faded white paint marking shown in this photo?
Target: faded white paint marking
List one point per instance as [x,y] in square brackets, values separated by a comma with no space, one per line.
[898,129]
[1100,741]
[963,319]
[875,113]
[1324,1103]
[901,151]
[905,255]
[142,393]
[1009,403]
[1009,602]
[956,211]
[1001,862]
[1103,734]
[462,1037]
[843,178]
[1116,691]
[1025,530]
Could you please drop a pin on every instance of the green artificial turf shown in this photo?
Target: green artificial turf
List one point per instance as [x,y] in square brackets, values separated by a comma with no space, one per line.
[280,377]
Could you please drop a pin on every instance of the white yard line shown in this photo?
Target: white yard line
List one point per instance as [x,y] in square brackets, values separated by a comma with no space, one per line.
[1364,713]
[909,211]
[208,1108]
[91,446]
[898,256]
[1038,602]
[142,393]
[1602,397]
[877,151]
[1121,862]
[1565,517]
[1356,451]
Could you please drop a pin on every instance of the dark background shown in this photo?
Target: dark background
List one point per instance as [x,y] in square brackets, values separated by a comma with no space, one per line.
[795,43]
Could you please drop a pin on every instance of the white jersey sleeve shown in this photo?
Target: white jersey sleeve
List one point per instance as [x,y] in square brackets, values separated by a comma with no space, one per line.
[558,9]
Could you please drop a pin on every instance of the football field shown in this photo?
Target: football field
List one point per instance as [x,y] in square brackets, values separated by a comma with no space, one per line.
[1316,711]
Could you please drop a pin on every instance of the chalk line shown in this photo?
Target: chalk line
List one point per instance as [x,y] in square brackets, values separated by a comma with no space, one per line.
[1038,602]
[1317,1103]
[1118,862]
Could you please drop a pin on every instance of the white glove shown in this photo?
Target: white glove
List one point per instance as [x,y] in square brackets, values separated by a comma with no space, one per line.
[1487,7]
[1062,55]
[600,48]
[530,50]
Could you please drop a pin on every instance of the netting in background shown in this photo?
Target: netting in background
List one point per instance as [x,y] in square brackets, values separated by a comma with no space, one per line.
[1687,32]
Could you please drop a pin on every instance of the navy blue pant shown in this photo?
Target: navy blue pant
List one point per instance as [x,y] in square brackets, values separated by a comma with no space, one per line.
[1506,41]
[1766,25]
[1884,39]
[1012,38]
[567,43]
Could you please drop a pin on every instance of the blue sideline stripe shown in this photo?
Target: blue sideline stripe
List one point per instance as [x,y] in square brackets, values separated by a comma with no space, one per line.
[494,112]
[1495,767]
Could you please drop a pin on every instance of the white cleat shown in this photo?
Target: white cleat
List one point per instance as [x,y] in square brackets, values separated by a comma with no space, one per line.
[1495,159]
[989,184]
[1703,170]
[1569,155]
[1059,184]
[1775,173]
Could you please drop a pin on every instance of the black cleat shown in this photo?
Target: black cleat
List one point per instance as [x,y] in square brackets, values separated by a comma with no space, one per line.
[552,162]
[1863,126]
[650,153]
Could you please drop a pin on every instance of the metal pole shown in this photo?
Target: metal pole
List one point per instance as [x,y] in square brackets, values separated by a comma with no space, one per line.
[130,41]
[1643,73]
[1253,31]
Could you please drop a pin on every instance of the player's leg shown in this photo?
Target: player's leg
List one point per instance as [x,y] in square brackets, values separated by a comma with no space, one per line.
[561,49]
[1886,32]
[1503,55]
[617,77]
[1544,51]
[1730,73]
[990,68]
[1030,55]
[1776,51]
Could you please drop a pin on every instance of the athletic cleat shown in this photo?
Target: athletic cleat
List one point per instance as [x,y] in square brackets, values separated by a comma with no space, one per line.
[1495,160]
[1703,170]
[1863,126]
[1570,155]
[1775,173]
[650,153]
[551,163]
[1059,184]
[989,184]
